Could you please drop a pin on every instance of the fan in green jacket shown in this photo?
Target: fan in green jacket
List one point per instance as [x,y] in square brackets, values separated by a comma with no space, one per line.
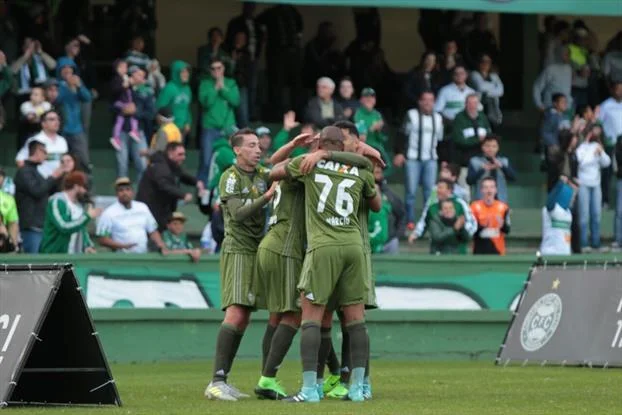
[378,226]
[65,226]
[448,234]
[468,129]
[219,100]
[177,96]
[284,135]
[222,158]
[370,124]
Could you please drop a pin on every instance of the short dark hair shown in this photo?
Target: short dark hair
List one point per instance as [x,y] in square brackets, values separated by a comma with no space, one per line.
[309,125]
[491,137]
[557,96]
[173,146]
[33,146]
[426,91]
[347,125]
[488,179]
[48,112]
[216,59]
[213,30]
[237,138]
[459,65]
[449,183]
[442,202]
[453,168]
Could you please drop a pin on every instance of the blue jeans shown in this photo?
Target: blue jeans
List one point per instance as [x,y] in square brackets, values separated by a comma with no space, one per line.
[130,148]
[243,110]
[618,224]
[31,240]
[590,199]
[418,173]
[208,136]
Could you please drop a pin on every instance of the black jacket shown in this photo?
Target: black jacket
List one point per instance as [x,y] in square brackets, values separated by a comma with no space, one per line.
[313,113]
[397,220]
[31,195]
[238,24]
[159,188]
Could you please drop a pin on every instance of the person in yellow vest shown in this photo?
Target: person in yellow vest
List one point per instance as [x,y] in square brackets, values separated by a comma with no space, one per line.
[167,132]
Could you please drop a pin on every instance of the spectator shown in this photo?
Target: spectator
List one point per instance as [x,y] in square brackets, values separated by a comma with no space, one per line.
[553,52]
[176,240]
[370,123]
[579,60]
[265,144]
[546,37]
[493,220]
[136,56]
[423,129]
[451,98]
[55,145]
[125,225]
[447,231]
[167,132]
[31,112]
[556,78]
[489,164]
[557,219]
[223,158]
[488,84]
[481,41]
[9,221]
[555,120]
[177,97]
[141,108]
[444,191]
[449,60]
[214,49]
[123,99]
[6,82]
[424,77]
[79,50]
[283,136]
[451,172]
[159,187]
[242,62]
[397,216]
[70,95]
[65,225]
[322,58]
[32,193]
[469,129]
[247,24]
[283,26]
[591,157]
[322,110]
[51,93]
[612,62]
[610,116]
[378,227]
[347,99]
[7,185]
[155,78]
[219,97]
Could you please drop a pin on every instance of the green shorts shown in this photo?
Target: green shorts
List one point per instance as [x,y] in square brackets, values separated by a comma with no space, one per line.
[237,279]
[277,281]
[335,269]
[370,303]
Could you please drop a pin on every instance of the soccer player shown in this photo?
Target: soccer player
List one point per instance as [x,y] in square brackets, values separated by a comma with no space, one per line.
[244,192]
[279,262]
[335,261]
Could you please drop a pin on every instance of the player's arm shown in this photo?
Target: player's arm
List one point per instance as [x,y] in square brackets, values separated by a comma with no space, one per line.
[241,211]
[284,151]
[371,192]
[279,171]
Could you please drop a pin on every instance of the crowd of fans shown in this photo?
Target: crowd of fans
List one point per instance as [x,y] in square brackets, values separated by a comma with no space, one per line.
[447,145]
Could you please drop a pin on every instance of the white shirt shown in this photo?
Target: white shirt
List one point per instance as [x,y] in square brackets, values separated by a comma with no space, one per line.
[556,231]
[590,164]
[127,226]
[611,117]
[56,147]
[28,108]
[451,100]
[431,132]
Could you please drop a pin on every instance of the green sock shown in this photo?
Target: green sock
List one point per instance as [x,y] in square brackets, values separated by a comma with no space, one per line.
[281,342]
[228,336]
[333,361]
[368,358]
[265,344]
[310,338]
[359,344]
[326,345]
[346,361]
[234,350]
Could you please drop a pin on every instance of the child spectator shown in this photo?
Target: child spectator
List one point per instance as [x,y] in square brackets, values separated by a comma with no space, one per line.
[447,231]
[493,220]
[176,240]
[370,123]
[488,164]
[557,219]
[124,98]
[33,110]
[591,157]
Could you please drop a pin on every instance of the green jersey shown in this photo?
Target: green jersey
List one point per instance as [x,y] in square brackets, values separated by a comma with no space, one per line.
[333,193]
[243,236]
[287,223]
[173,242]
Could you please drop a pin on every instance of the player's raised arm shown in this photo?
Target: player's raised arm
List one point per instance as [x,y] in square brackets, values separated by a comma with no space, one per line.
[371,191]
[279,171]
[283,153]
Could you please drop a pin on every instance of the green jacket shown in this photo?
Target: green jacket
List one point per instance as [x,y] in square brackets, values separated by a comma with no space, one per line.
[64,232]
[219,106]
[281,138]
[378,226]
[463,134]
[364,119]
[444,239]
[177,96]
[223,157]
[6,80]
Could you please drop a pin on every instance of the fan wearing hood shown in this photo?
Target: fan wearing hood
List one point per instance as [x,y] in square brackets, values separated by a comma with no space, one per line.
[177,96]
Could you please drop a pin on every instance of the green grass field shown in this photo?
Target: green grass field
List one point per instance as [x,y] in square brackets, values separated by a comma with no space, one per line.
[399,388]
